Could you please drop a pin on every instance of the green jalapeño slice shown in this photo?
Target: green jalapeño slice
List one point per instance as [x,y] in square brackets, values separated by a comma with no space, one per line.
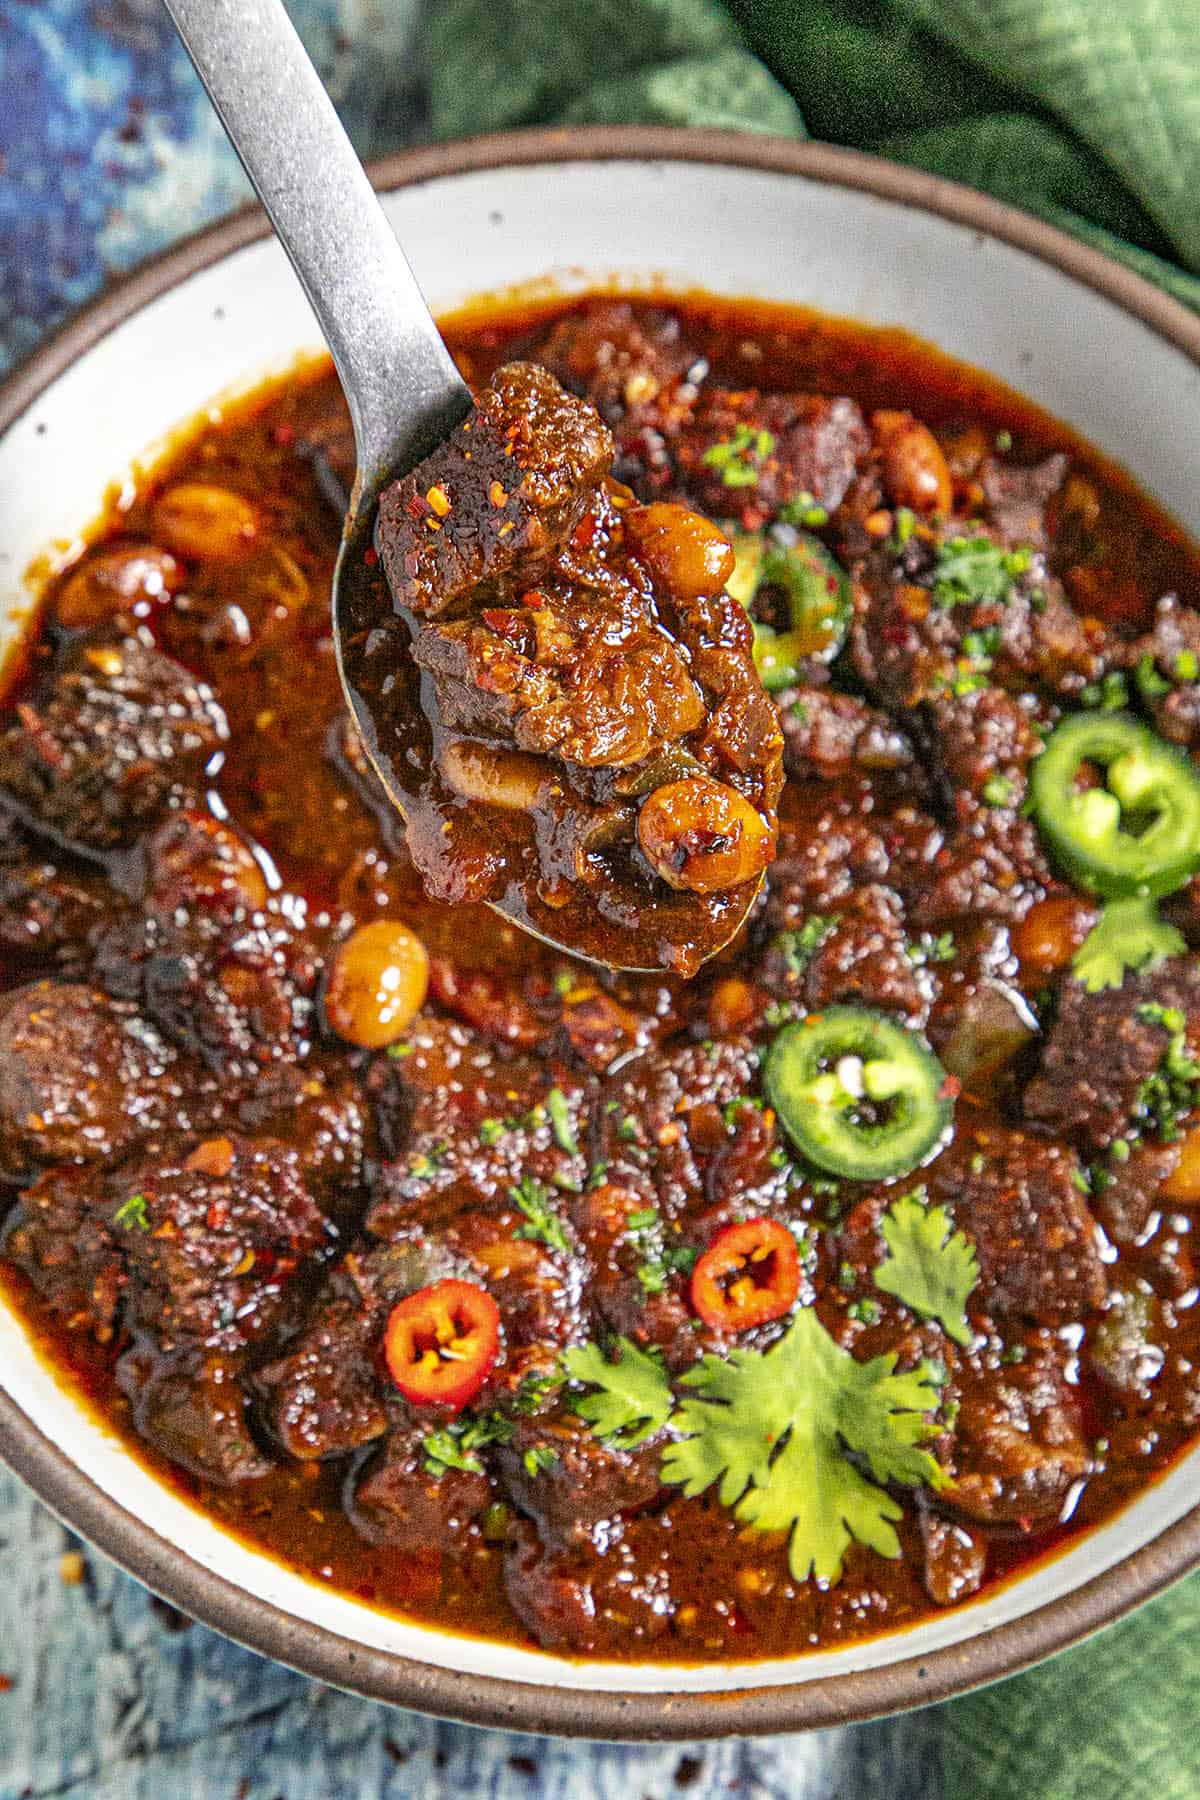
[859,1095]
[815,596]
[1118,806]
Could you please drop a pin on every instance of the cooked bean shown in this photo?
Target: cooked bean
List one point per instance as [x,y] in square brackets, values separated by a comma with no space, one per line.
[377,983]
[914,470]
[194,519]
[701,835]
[506,778]
[114,581]
[686,554]
[1051,932]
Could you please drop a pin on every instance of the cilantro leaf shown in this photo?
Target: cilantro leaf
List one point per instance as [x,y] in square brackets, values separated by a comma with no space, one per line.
[1129,935]
[560,1121]
[737,458]
[542,1223]
[932,1268]
[131,1215]
[771,1430]
[972,570]
[455,1445]
[633,1398]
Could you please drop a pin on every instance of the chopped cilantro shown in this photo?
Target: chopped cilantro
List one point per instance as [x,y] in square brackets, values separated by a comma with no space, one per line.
[772,1430]
[542,1223]
[738,458]
[491,1131]
[804,510]
[396,1051]
[539,1459]
[632,1398]
[1013,1353]
[999,790]
[864,1312]
[627,1129]
[1003,441]
[560,1121]
[1172,1091]
[1185,667]
[1109,695]
[798,947]
[969,571]
[931,1268]
[928,949]
[1128,935]
[564,981]
[426,1163]
[1150,684]
[131,1214]
[904,523]
[454,1446]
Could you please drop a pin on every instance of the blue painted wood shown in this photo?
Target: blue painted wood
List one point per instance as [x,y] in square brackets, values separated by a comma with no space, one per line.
[109,151]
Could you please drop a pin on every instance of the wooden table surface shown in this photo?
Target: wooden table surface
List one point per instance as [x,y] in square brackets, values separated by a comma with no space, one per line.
[108,151]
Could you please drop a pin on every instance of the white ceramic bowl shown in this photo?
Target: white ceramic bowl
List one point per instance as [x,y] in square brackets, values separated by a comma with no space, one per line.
[733,215]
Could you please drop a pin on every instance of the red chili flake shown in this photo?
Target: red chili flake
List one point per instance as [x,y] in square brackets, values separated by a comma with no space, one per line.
[950,1089]
[6,1684]
[284,434]
[372,557]
[584,533]
[753,518]
[417,505]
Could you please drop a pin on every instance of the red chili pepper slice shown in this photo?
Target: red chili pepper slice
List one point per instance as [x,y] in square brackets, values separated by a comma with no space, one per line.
[442,1342]
[749,1274]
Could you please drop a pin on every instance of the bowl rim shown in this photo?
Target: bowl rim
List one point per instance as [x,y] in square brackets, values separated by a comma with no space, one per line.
[554,1709]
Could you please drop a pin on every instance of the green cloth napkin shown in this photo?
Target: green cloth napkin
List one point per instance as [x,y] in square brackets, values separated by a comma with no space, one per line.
[1086,112]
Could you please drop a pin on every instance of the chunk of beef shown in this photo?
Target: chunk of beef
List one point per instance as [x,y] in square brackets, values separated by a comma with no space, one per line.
[621,360]
[992,867]
[631,1287]
[213,1234]
[565,678]
[515,478]
[837,845]
[679,1123]
[325,1395]
[559,1473]
[860,957]
[1102,1048]
[1019,1442]
[907,646]
[48,908]
[209,958]
[1017,1198]
[1128,1197]
[588,1605]
[398,1501]
[462,1125]
[236,994]
[982,744]
[1172,651]
[827,735]
[60,1240]
[105,740]
[811,445]
[192,1407]
[1016,497]
[82,1077]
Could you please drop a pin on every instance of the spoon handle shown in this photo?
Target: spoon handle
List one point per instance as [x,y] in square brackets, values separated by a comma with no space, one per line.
[404,391]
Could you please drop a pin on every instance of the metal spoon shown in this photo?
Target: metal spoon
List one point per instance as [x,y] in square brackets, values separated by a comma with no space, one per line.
[404,392]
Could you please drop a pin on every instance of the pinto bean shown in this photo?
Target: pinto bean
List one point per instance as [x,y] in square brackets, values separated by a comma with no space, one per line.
[700,834]
[685,553]
[914,469]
